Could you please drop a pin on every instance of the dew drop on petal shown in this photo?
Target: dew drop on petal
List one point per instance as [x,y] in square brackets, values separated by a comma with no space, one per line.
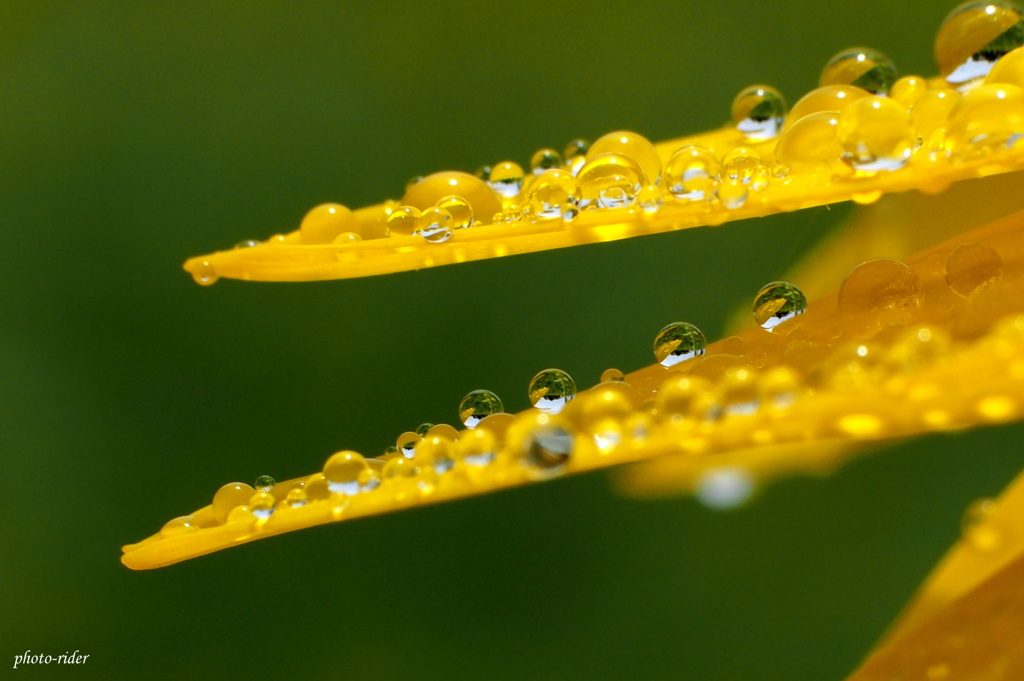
[478,405]
[970,266]
[459,209]
[342,472]
[880,292]
[435,225]
[677,342]
[776,303]
[551,389]
[633,146]
[264,483]
[759,112]
[860,67]
[691,173]
[974,36]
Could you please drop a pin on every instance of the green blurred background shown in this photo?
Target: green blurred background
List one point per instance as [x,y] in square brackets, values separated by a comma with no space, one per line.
[136,134]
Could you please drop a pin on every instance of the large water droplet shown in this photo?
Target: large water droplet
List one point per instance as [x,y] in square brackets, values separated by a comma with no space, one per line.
[633,146]
[342,472]
[677,342]
[880,292]
[478,405]
[974,36]
[323,223]
[810,145]
[551,389]
[227,497]
[609,180]
[778,302]
[262,504]
[876,134]
[759,112]
[861,67]
[970,266]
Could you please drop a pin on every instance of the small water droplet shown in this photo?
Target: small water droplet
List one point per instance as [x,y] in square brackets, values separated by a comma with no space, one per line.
[262,504]
[248,243]
[483,172]
[551,389]
[264,483]
[342,472]
[178,526]
[478,405]
[908,89]
[759,112]
[478,447]
[810,144]
[677,342]
[423,428]
[974,36]
[725,488]
[691,173]
[733,193]
[435,225]
[507,178]
[650,199]
[545,159]
[459,209]
[549,447]
[205,273]
[976,527]
[778,302]
[861,67]
[403,221]
[552,193]
[612,374]
[296,497]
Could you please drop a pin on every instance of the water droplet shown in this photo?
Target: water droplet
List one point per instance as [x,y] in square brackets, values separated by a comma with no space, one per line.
[1009,70]
[634,147]
[483,172]
[552,193]
[987,118]
[677,342]
[974,36]
[684,398]
[406,442]
[880,292]
[227,497]
[264,483]
[342,472]
[759,112]
[831,98]
[725,488]
[507,178]
[248,243]
[176,527]
[691,173]
[612,374]
[609,181]
[478,405]
[545,159]
[577,147]
[459,209]
[262,504]
[908,89]
[481,198]
[876,134]
[732,193]
[296,497]
[549,447]
[778,302]
[650,199]
[551,389]
[970,266]
[810,145]
[860,67]
[435,225]
[976,525]
[240,514]
[932,111]
[316,487]
[740,164]
[326,221]
[478,447]
[346,238]
[423,428]
[205,273]
[403,221]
